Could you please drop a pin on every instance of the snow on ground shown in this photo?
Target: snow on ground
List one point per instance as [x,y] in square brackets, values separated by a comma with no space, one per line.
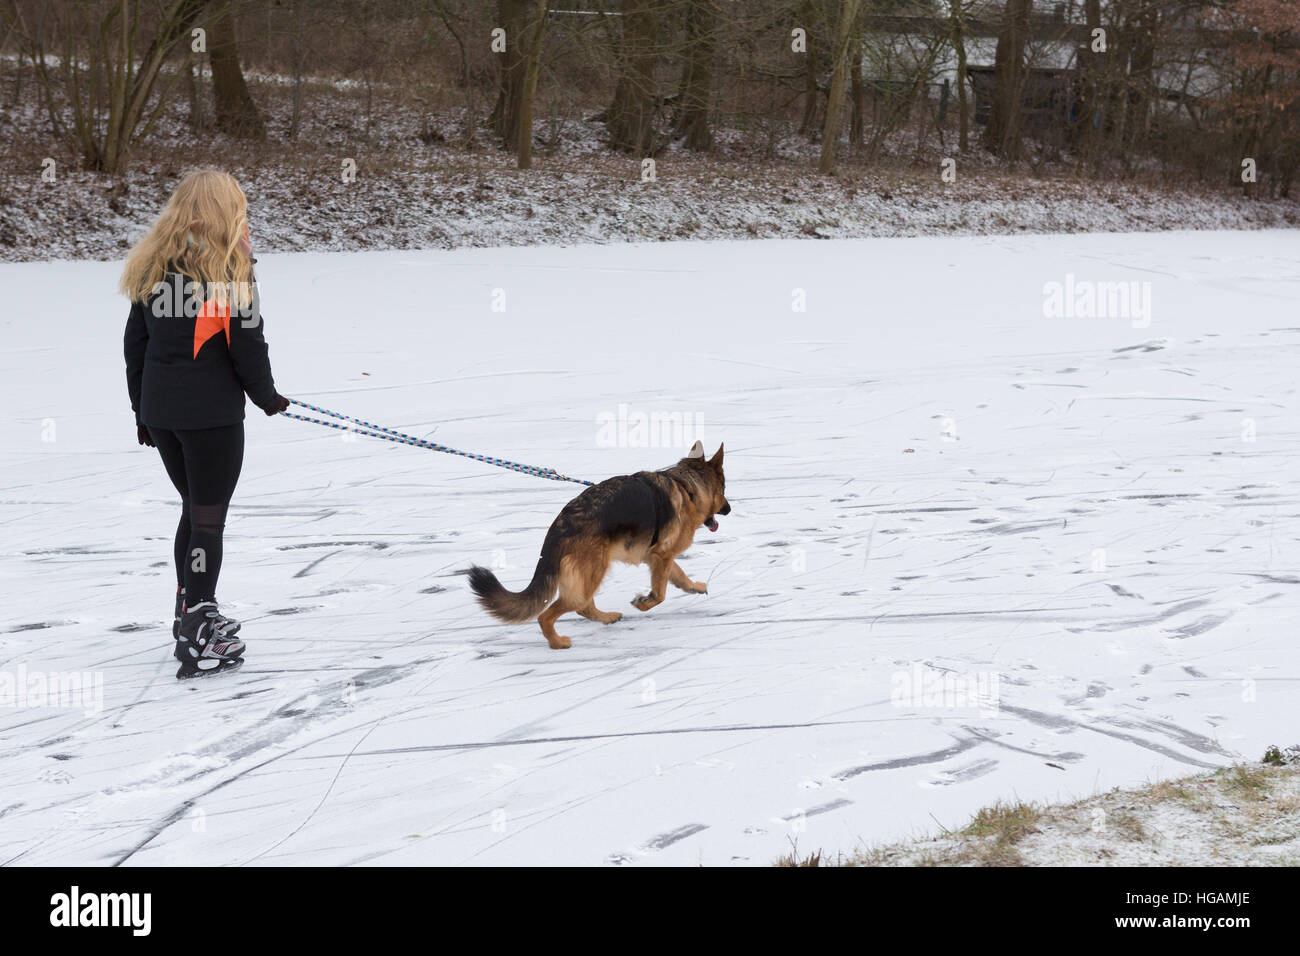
[452,201]
[1086,519]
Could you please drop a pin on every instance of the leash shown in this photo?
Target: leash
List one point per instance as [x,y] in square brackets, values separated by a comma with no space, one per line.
[378,431]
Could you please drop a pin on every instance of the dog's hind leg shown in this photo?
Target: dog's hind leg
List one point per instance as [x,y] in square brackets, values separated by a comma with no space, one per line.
[582,586]
[593,613]
[658,584]
[678,579]
[579,578]
[547,620]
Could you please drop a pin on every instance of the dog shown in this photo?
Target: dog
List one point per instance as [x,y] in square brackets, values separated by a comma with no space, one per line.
[647,518]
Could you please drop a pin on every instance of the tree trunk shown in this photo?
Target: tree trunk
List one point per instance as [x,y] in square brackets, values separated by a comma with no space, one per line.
[1090,71]
[959,45]
[1141,87]
[835,101]
[295,116]
[194,94]
[528,90]
[810,92]
[520,59]
[1002,134]
[697,79]
[630,117]
[235,110]
[512,16]
[1114,88]
[857,92]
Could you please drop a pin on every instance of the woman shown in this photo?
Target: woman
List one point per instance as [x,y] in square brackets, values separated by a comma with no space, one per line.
[194,347]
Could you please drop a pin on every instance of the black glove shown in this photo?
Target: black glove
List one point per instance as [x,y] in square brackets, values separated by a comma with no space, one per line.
[281,404]
[143,437]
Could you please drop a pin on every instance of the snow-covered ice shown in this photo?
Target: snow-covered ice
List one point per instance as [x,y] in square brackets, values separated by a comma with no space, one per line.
[929,476]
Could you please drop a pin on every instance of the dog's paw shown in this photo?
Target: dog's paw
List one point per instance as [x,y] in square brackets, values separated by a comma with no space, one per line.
[560,643]
[613,618]
[644,602]
[699,587]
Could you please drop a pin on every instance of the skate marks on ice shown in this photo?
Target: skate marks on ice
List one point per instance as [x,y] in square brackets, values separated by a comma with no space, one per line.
[661,841]
[282,730]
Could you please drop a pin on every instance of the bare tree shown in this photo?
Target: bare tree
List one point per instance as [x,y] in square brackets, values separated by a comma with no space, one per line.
[697,76]
[524,23]
[197,119]
[1003,131]
[528,92]
[957,21]
[1091,67]
[236,112]
[857,90]
[1141,85]
[630,117]
[106,105]
[465,79]
[835,101]
[811,15]
[299,62]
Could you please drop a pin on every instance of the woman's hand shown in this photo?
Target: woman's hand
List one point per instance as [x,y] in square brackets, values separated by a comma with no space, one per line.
[143,437]
[281,404]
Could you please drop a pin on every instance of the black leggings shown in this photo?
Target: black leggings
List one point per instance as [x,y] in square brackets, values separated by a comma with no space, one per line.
[203,464]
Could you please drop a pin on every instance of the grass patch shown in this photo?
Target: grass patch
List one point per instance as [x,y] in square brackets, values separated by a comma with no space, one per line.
[1006,822]
[1249,784]
[816,858]
[1127,826]
[1276,839]
[1178,791]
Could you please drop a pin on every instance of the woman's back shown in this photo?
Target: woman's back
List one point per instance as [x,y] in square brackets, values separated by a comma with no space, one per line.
[192,360]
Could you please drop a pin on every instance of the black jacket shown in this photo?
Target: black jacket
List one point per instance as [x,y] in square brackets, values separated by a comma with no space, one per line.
[187,366]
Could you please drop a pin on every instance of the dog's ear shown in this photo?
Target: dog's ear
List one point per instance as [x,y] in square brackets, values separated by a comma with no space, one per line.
[716,460]
[697,450]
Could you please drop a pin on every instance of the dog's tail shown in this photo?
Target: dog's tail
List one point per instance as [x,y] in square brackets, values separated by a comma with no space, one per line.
[516,607]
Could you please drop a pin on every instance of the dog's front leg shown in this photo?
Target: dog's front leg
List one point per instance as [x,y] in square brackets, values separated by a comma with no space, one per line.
[679,579]
[659,568]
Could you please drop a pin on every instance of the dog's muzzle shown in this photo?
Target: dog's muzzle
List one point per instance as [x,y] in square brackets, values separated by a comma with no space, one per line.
[711,522]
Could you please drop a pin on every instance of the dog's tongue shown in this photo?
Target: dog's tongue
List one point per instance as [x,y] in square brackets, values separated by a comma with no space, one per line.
[711,524]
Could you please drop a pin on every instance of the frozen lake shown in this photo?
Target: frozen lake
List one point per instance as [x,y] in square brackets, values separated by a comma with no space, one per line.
[947,476]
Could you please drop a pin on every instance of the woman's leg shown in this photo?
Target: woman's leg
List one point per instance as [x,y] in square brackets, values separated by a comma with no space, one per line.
[173,457]
[213,459]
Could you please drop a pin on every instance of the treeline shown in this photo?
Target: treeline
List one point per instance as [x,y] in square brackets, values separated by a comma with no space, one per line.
[1209,88]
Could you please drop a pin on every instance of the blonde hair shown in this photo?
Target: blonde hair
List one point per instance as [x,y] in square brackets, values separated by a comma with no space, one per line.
[198,233]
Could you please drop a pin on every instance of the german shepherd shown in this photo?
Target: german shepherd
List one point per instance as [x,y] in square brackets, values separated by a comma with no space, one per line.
[646,518]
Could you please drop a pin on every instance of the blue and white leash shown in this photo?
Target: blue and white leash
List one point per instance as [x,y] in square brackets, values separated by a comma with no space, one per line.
[378,431]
